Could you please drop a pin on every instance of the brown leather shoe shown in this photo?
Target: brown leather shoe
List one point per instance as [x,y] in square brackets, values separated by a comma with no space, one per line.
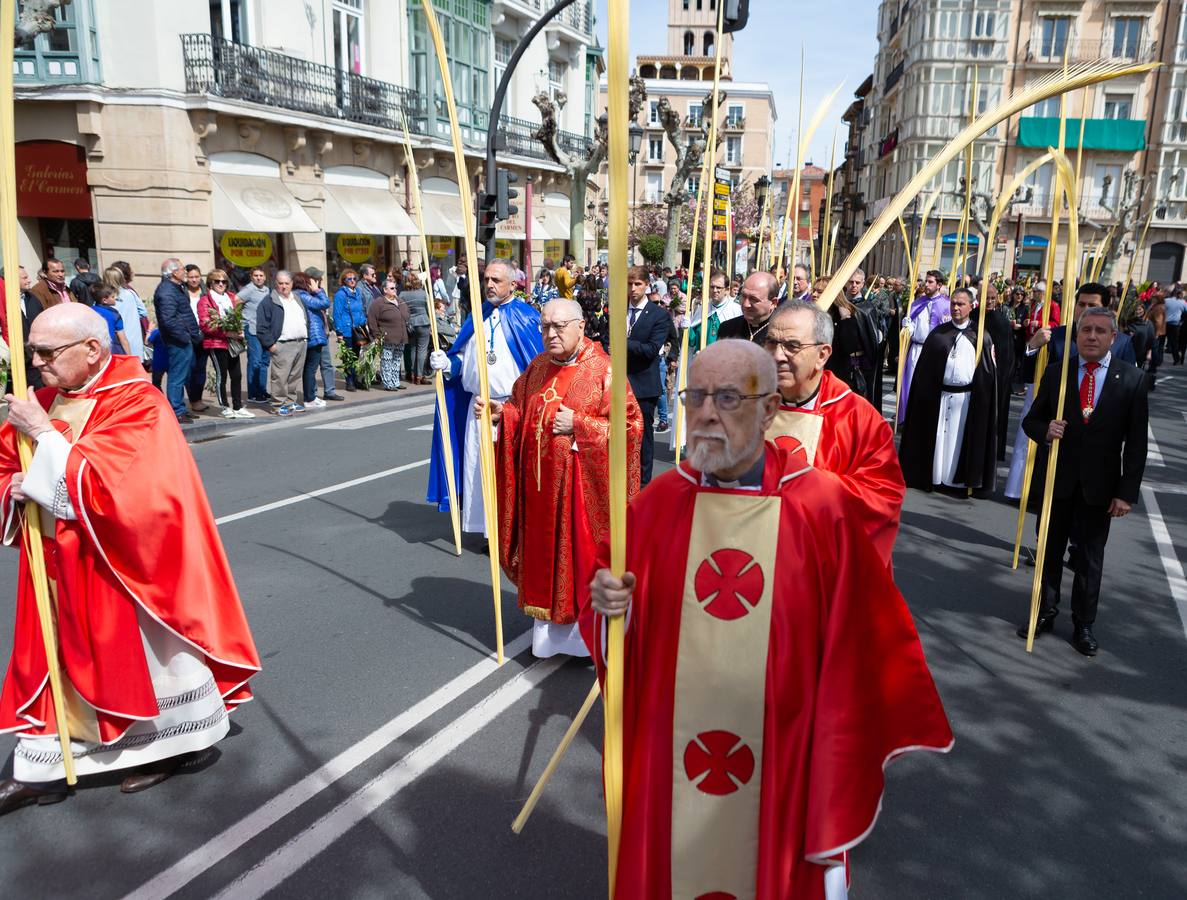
[150,775]
[15,794]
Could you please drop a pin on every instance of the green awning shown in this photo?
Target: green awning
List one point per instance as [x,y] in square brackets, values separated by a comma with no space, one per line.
[1126,135]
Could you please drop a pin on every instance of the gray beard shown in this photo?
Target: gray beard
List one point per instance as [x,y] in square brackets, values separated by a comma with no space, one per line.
[714,457]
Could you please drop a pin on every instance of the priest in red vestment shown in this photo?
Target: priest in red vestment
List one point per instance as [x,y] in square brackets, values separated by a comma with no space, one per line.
[768,681]
[553,468]
[153,642]
[839,431]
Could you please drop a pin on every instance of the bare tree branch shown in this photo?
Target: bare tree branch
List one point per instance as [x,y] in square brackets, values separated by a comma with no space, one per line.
[36,17]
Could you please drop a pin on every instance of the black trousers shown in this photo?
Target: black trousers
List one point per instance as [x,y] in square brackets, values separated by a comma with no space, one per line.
[1087,527]
[197,381]
[647,450]
[1174,340]
[227,365]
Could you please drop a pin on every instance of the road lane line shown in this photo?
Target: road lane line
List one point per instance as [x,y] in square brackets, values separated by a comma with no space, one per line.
[1166,552]
[1153,453]
[228,841]
[320,492]
[279,865]
[384,418]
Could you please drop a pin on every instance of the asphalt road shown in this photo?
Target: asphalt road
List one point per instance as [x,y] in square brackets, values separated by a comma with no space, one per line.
[386,755]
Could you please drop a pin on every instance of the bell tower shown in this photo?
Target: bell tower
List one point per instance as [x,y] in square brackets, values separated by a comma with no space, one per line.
[692,26]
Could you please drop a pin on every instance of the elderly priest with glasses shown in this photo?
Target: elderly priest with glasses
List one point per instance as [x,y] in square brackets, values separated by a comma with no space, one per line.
[553,462]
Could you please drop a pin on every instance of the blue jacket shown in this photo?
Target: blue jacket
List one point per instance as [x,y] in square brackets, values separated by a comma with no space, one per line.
[350,310]
[270,319]
[175,318]
[315,313]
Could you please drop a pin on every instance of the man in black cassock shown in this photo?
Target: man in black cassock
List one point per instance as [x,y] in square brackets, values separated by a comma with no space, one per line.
[951,427]
[1000,328]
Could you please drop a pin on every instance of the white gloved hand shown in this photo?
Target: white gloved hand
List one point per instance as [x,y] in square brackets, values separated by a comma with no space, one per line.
[439,361]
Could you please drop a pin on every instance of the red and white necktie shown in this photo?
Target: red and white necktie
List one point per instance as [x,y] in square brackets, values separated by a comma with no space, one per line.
[1088,389]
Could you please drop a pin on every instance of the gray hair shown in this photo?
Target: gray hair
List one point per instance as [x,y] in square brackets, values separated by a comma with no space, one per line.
[506,264]
[822,322]
[285,272]
[572,306]
[801,266]
[859,271]
[1100,312]
[169,266]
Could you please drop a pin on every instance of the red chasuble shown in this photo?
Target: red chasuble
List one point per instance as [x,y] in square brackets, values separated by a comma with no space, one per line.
[144,538]
[768,683]
[844,434]
[554,489]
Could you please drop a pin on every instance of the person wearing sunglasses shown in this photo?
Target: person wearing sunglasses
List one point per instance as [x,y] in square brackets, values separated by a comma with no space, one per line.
[835,428]
[553,473]
[153,642]
[350,320]
[214,304]
[759,616]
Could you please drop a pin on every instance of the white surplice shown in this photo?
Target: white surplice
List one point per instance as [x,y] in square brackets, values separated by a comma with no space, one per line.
[501,376]
[954,411]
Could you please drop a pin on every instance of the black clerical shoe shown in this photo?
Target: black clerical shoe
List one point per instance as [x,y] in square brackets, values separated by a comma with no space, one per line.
[15,794]
[152,774]
[1046,622]
[1083,640]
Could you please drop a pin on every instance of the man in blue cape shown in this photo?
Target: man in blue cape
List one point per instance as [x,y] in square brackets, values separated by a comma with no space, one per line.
[510,340]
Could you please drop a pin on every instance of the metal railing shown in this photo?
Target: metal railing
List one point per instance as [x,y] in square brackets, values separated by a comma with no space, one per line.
[240,72]
[1089,50]
[894,76]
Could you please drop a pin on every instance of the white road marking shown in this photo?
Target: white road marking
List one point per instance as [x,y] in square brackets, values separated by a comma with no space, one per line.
[428,427]
[312,417]
[384,418]
[1162,487]
[1162,379]
[228,841]
[1166,552]
[279,865]
[1153,453]
[320,492]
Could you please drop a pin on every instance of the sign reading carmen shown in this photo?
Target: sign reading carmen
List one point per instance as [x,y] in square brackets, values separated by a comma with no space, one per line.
[51,180]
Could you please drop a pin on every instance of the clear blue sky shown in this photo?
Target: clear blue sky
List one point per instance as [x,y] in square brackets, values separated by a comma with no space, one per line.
[839,37]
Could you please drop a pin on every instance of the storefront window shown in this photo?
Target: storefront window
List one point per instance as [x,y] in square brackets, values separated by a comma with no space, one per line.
[349,251]
[238,252]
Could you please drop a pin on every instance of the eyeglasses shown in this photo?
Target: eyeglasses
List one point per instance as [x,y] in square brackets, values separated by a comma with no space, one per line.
[49,354]
[726,400]
[791,348]
[218,281]
[546,327]
[350,280]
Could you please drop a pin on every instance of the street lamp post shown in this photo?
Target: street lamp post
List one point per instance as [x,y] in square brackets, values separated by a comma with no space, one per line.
[762,192]
[635,137]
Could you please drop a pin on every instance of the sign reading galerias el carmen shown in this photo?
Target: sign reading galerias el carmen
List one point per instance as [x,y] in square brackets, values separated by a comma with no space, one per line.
[51,180]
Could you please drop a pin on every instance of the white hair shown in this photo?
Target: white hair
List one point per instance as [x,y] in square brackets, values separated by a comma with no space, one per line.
[572,306]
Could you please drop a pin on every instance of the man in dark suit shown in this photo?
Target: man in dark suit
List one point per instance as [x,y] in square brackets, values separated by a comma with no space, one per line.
[758,299]
[1102,456]
[1088,294]
[648,325]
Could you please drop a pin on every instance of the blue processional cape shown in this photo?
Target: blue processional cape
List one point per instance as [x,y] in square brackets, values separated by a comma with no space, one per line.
[521,327]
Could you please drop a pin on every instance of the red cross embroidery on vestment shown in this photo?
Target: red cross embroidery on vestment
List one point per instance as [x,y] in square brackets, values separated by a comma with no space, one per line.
[718,762]
[729,584]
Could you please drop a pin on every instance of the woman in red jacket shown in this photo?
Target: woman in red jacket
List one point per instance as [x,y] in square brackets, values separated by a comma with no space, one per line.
[223,347]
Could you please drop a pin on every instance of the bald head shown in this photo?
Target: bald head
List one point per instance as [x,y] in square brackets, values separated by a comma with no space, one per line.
[70,344]
[757,298]
[562,325]
[749,367]
[562,309]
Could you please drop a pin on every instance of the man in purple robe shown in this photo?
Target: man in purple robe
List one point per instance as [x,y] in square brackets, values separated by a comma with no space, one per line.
[928,311]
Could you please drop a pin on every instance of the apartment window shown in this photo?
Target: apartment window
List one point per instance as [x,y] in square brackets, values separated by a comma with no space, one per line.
[1118,106]
[694,184]
[348,36]
[733,150]
[1127,36]
[1054,33]
[695,114]
[67,53]
[736,115]
[983,25]
[1048,108]
[228,20]
[655,149]
[556,78]
[504,47]
[1107,184]
[708,44]
[1040,181]
[654,188]
[689,42]
[466,28]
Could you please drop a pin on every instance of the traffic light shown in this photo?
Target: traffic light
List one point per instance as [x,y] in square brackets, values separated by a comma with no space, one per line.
[504,178]
[735,15]
[486,219]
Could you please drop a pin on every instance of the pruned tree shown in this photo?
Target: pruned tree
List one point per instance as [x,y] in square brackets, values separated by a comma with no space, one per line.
[690,157]
[1128,207]
[579,165]
[36,17]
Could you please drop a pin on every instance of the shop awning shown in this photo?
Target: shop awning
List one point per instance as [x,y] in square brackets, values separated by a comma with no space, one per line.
[1123,135]
[251,203]
[442,215]
[363,210]
[555,225]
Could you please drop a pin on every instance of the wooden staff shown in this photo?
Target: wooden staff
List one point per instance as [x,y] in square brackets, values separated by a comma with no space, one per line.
[20,385]
[618,106]
[914,260]
[1099,262]
[826,231]
[1062,191]
[711,168]
[486,454]
[960,255]
[438,376]
[557,755]
[1067,180]
[762,228]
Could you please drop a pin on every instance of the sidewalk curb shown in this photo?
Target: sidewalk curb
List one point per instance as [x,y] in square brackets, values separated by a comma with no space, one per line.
[210,427]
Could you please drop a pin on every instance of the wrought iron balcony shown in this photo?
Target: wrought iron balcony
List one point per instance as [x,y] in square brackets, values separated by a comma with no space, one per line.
[239,72]
[893,77]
